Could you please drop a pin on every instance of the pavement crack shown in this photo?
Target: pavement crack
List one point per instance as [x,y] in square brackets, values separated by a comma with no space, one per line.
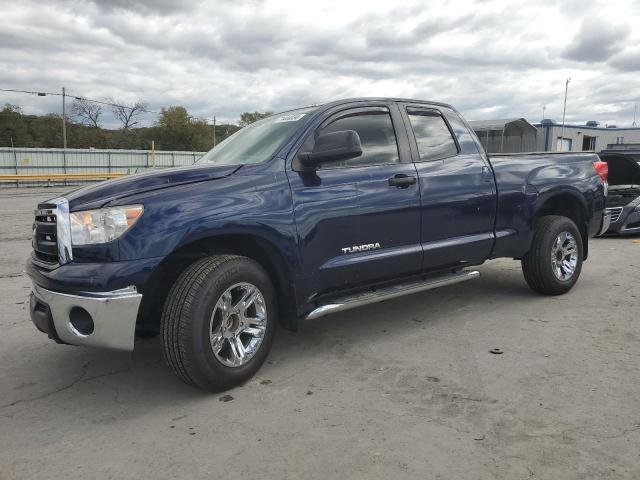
[10,275]
[80,379]
[622,433]
[14,239]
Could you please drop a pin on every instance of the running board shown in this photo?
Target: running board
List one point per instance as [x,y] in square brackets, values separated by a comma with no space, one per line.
[387,293]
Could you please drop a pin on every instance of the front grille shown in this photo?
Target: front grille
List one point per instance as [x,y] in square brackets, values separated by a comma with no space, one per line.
[45,237]
[615,213]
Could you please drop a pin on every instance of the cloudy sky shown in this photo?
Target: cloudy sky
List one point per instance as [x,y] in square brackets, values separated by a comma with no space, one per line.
[491,59]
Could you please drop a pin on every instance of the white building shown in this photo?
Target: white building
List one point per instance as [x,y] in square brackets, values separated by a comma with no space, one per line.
[580,138]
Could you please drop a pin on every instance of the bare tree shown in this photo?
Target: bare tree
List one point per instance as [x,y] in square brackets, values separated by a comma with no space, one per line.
[129,115]
[87,112]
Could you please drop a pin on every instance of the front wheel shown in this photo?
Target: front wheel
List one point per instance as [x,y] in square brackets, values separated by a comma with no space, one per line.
[553,263]
[218,322]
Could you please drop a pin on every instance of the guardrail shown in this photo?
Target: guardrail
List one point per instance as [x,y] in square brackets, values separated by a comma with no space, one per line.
[59,176]
[21,167]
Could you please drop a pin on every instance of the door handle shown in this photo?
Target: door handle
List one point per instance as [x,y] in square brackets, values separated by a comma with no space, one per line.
[401,181]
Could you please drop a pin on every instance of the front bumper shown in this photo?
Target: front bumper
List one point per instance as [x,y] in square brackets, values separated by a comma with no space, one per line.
[606,221]
[627,222]
[96,319]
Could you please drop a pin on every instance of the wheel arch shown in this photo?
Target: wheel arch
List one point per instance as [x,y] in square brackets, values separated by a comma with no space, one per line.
[566,203]
[248,245]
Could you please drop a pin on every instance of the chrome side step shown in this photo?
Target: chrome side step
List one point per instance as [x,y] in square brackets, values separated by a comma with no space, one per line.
[387,293]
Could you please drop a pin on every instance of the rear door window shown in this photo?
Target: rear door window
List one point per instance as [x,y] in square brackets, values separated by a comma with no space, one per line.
[432,135]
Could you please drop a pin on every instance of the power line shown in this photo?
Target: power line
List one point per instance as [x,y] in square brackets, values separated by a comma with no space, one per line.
[110,104]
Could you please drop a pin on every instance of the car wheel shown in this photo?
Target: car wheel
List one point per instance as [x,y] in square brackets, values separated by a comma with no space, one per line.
[218,322]
[554,262]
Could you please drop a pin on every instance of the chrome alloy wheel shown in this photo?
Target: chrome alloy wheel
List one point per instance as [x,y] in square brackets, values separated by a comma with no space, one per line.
[238,324]
[564,256]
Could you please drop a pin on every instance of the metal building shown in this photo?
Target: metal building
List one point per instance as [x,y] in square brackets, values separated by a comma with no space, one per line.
[510,135]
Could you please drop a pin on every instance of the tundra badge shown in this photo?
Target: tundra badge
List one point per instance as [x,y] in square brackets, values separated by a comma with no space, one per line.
[361,248]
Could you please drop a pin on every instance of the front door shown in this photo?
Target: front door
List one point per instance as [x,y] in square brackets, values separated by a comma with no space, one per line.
[359,219]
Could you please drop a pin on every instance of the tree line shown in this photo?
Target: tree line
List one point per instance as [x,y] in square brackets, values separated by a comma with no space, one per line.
[174,128]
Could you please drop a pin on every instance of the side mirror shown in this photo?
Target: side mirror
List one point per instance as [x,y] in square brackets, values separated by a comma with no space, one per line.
[332,147]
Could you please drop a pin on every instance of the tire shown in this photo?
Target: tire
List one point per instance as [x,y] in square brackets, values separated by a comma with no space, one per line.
[200,331]
[542,273]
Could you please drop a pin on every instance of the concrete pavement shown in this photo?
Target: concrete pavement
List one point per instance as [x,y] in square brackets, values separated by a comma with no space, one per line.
[403,389]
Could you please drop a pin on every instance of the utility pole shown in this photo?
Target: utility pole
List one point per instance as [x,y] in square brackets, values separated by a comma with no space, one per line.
[544,107]
[64,120]
[15,157]
[15,160]
[564,111]
[214,130]
[635,112]
[64,132]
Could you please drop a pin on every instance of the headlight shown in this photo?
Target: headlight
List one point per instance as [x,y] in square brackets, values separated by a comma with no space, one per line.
[104,225]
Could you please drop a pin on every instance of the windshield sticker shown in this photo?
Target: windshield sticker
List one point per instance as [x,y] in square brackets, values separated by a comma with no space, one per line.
[290,118]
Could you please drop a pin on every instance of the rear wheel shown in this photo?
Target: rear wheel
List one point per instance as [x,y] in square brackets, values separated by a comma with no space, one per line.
[554,262]
[218,322]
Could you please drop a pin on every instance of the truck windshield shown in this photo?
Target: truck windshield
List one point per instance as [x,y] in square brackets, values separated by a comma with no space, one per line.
[257,142]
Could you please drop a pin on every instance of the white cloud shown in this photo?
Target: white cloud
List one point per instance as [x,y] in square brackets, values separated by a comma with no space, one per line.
[488,58]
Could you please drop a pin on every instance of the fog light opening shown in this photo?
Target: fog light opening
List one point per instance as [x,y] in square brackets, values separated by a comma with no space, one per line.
[80,322]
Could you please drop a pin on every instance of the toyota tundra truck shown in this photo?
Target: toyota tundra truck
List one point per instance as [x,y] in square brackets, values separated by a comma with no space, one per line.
[302,214]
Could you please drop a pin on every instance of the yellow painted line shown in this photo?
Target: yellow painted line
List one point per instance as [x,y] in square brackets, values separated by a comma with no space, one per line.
[59,176]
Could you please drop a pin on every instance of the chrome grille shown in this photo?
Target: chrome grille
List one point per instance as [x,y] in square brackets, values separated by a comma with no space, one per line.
[51,240]
[45,236]
[615,213]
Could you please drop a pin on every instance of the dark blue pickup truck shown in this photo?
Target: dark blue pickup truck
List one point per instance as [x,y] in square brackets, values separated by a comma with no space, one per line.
[305,213]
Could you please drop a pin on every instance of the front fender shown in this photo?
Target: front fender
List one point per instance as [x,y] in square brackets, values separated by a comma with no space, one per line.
[257,205]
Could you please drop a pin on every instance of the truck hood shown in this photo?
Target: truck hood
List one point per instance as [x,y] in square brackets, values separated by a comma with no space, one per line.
[99,194]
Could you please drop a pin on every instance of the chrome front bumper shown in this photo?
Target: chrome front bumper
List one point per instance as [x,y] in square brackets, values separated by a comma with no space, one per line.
[96,319]
[606,222]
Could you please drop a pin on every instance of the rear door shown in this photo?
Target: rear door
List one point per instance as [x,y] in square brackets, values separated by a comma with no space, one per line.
[456,186]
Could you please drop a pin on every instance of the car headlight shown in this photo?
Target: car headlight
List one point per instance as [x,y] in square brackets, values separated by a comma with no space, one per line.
[103,225]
